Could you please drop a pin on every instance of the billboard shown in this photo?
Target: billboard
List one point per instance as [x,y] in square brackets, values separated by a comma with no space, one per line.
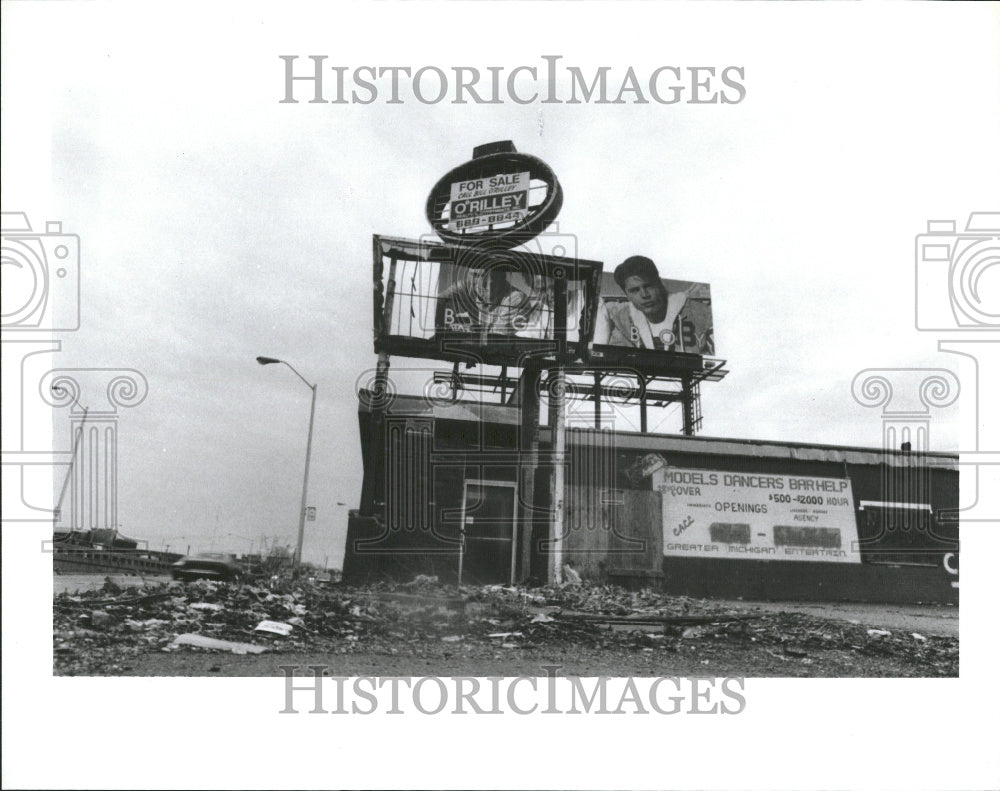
[495,301]
[439,301]
[639,310]
[718,514]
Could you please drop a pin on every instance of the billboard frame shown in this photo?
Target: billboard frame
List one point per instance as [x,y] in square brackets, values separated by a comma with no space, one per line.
[388,251]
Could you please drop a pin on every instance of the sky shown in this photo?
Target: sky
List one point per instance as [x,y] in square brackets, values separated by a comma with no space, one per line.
[218,223]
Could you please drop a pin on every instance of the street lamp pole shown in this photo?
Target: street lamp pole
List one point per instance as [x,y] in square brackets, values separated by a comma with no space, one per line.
[305,482]
[305,477]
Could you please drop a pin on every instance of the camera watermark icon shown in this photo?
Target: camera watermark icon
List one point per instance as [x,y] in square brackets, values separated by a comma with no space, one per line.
[41,295]
[958,296]
[41,276]
[958,274]
[957,280]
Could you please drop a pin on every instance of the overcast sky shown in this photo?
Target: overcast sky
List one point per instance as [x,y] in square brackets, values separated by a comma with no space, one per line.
[218,224]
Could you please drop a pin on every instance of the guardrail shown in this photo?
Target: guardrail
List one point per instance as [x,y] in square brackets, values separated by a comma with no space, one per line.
[88,558]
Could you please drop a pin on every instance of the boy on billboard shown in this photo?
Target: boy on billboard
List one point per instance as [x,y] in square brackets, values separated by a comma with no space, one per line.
[651,316]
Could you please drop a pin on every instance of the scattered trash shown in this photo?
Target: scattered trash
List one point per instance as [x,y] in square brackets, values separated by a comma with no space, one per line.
[99,618]
[421,581]
[201,641]
[95,631]
[151,623]
[274,627]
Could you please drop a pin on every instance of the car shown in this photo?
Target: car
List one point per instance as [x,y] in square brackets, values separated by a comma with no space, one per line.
[207,565]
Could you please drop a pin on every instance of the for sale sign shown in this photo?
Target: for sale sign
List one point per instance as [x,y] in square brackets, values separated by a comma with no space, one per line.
[488,186]
[499,198]
[490,200]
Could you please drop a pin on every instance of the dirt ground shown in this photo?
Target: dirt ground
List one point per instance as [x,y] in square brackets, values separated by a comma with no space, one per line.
[424,629]
[692,660]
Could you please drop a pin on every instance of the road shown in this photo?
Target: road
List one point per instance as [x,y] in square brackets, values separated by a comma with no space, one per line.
[925,619]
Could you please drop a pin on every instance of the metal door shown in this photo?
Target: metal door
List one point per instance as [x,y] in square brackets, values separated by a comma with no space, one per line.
[489,516]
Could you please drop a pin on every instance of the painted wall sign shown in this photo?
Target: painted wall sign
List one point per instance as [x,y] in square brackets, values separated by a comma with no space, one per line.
[712,513]
[500,198]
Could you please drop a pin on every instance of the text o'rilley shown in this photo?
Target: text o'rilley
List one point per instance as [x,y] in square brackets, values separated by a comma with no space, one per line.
[490,210]
[512,201]
[310,80]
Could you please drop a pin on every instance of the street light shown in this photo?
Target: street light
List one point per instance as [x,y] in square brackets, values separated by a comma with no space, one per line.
[305,477]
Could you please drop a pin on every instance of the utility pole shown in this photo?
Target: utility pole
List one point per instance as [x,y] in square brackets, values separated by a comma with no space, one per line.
[557,420]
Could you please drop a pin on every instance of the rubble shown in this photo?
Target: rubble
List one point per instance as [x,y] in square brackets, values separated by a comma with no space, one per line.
[206,605]
[570,575]
[95,631]
[200,641]
[274,627]
[99,618]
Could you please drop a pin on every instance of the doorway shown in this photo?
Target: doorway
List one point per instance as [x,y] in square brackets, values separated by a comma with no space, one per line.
[489,516]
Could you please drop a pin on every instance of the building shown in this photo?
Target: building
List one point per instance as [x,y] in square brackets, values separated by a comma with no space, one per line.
[479,491]
[883,524]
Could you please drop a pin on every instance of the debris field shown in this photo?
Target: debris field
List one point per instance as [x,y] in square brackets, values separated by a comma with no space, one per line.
[99,632]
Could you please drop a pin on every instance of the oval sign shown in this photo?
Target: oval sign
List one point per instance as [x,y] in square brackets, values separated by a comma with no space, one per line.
[499,198]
